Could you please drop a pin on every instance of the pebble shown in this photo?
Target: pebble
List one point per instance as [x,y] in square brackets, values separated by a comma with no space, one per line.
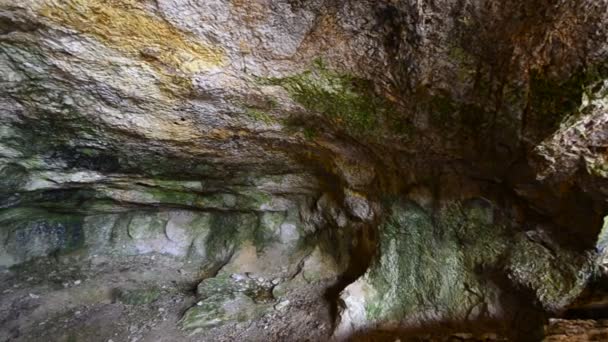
[77,313]
[77,282]
[464,336]
[261,280]
[276,281]
[161,309]
[34,296]
[237,277]
[282,305]
[199,303]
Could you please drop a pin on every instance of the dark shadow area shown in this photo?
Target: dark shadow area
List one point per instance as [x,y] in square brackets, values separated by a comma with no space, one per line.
[360,258]
[592,303]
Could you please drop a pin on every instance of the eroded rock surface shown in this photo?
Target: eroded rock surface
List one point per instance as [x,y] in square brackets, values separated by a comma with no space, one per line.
[302,169]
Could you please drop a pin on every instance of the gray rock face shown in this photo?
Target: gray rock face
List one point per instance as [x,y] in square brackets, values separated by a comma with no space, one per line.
[446,159]
[445,269]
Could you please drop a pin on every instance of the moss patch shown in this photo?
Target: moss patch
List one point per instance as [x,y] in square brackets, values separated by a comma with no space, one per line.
[432,265]
[428,262]
[137,296]
[227,232]
[226,300]
[348,101]
[259,115]
[557,277]
[12,177]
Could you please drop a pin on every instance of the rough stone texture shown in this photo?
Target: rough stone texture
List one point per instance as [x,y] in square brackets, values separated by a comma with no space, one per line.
[449,154]
[445,266]
[576,330]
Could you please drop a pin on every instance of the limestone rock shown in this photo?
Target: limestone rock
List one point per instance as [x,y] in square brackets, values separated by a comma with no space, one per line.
[446,160]
[225,299]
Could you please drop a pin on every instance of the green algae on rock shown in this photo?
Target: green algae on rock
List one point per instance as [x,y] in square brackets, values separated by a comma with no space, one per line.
[436,266]
[346,100]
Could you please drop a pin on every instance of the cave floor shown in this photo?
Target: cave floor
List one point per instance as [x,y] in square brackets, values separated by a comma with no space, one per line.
[142,298]
[139,298]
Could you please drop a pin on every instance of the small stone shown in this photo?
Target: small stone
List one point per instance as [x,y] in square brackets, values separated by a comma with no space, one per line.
[161,310]
[237,277]
[77,313]
[282,305]
[199,303]
[489,337]
[464,336]
[260,279]
[276,281]
[77,282]
[34,296]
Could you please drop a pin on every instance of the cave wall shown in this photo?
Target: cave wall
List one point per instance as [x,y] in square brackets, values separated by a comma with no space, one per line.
[455,148]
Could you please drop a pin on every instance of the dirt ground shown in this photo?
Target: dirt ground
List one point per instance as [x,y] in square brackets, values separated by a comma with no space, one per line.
[140,298]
